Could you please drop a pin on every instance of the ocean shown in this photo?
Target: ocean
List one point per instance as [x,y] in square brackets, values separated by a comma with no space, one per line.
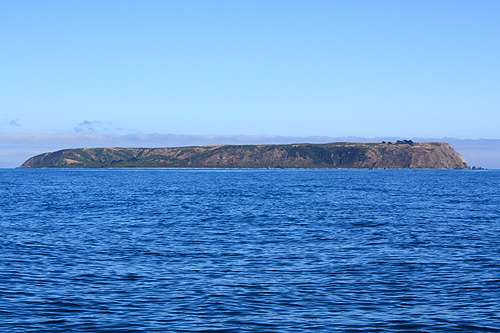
[249,250]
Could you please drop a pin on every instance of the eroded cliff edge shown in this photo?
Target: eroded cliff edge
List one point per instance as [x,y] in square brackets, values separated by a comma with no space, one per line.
[435,155]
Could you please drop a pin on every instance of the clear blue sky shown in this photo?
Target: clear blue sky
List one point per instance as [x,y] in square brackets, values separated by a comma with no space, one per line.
[335,68]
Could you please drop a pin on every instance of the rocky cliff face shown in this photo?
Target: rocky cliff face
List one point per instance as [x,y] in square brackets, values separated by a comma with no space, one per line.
[332,155]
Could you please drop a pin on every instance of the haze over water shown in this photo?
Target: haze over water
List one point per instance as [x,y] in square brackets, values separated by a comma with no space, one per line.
[249,251]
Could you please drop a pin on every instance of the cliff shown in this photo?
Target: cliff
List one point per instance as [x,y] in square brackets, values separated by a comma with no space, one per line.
[328,156]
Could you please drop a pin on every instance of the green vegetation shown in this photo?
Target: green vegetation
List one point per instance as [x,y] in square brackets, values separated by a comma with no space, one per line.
[332,155]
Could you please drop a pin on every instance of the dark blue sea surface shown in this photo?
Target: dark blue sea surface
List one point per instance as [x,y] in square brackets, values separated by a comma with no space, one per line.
[249,251]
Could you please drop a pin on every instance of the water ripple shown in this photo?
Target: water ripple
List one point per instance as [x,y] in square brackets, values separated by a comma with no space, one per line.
[249,251]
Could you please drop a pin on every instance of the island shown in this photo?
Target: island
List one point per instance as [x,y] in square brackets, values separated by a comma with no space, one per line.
[339,155]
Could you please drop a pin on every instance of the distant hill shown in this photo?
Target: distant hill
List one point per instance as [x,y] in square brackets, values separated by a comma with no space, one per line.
[400,155]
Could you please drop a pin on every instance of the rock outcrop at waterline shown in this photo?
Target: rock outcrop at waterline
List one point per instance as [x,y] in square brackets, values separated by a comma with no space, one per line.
[436,155]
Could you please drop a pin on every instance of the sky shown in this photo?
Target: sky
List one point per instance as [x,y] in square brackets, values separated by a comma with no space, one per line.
[427,69]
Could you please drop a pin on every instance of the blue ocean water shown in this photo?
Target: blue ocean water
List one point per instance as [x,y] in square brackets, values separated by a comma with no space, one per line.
[249,251]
